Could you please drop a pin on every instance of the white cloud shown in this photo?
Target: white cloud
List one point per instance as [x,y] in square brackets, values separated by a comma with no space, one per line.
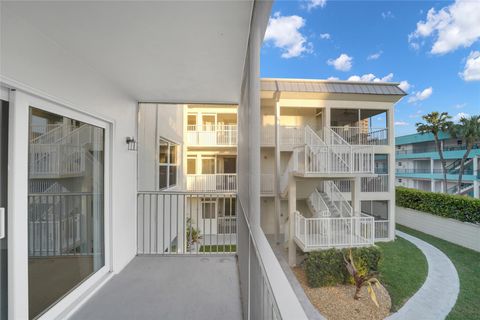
[416,114]
[342,63]
[404,85]
[325,36]
[460,115]
[421,95]
[375,56]
[387,15]
[460,105]
[370,77]
[284,32]
[401,123]
[453,26]
[312,4]
[471,71]
[332,78]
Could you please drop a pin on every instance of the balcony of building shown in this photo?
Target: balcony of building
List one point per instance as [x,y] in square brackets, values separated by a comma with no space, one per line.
[211,129]
[361,126]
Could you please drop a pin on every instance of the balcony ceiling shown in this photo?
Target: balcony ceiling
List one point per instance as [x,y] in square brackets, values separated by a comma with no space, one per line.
[173,51]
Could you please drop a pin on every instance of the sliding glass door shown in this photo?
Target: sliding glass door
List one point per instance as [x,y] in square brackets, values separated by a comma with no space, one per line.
[3,209]
[65,206]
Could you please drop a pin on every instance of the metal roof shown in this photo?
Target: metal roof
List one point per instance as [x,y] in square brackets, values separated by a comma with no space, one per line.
[418,138]
[326,86]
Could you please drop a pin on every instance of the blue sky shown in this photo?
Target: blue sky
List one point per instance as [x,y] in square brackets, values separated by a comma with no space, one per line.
[435,53]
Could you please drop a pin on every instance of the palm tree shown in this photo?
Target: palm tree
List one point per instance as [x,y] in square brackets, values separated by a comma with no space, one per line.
[435,123]
[468,130]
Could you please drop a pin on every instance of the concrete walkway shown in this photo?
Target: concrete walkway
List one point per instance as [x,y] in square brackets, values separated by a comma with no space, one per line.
[438,295]
[169,288]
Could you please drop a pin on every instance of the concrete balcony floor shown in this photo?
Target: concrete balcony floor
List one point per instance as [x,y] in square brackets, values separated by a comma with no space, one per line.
[169,287]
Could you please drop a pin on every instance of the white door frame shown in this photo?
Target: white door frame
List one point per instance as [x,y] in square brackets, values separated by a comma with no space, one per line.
[21,98]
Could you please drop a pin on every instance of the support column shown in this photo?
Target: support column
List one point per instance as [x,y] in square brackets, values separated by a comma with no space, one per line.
[277,170]
[356,195]
[476,175]
[391,173]
[432,181]
[292,208]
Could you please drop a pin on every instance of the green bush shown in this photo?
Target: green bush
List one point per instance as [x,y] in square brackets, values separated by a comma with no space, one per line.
[327,267]
[445,205]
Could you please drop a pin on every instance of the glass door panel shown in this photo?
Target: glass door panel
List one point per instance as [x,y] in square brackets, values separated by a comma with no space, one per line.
[65,206]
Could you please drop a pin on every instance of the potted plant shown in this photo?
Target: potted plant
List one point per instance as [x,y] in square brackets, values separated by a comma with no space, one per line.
[193,237]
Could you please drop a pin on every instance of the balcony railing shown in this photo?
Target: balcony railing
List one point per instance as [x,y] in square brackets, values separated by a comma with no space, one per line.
[290,136]
[382,230]
[434,149]
[56,223]
[212,135]
[375,184]
[335,159]
[267,183]
[212,182]
[53,160]
[363,136]
[318,233]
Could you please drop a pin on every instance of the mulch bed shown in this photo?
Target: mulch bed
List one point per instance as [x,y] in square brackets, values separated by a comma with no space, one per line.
[338,303]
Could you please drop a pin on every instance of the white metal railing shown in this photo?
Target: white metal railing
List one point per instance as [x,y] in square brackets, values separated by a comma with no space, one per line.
[375,184]
[58,223]
[382,229]
[343,207]
[337,157]
[212,135]
[318,205]
[290,136]
[50,160]
[265,290]
[267,135]
[267,183]
[49,133]
[212,182]
[316,233]
[343,185]
[363,135]
[186,222]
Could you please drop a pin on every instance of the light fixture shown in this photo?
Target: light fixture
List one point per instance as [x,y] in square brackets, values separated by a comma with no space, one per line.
[131,143]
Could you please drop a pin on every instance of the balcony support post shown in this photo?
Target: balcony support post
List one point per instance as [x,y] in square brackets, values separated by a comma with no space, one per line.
[277,175]
[356,195]
[292,208]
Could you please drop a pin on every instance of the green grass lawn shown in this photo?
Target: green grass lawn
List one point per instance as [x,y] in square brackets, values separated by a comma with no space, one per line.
[403,270]
[467,263]
[219,248]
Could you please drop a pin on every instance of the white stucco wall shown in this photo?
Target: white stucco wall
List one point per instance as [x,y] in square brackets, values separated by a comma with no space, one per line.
[158,121]
[31,60]
[461,233]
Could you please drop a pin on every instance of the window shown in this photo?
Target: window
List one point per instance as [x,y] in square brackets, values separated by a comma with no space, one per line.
[399,164]
[208,165]
[167,171]
[400,180]
[191,165]
[459,142]
[229,207]
[209,209]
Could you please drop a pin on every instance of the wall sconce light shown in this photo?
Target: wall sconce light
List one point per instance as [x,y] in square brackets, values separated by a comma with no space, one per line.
[131,143]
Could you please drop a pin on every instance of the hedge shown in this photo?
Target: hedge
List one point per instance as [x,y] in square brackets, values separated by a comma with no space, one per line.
[445,205]
[327,267]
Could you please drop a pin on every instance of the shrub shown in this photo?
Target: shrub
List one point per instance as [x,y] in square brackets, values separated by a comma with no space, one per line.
[445,205]
[327,267]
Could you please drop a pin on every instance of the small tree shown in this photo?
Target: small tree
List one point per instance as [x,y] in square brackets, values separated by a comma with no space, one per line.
[435,123]
[468,130]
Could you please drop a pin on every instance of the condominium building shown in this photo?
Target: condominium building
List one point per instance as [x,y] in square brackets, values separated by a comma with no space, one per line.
[418,165]
[132,153]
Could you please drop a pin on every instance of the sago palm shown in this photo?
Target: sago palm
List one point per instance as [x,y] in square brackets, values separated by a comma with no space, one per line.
[468,130]
[435,123]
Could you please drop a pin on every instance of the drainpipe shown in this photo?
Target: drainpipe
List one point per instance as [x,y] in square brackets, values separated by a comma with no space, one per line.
[277,166]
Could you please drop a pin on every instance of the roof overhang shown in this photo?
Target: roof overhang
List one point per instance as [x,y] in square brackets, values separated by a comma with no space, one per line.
[169,51]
